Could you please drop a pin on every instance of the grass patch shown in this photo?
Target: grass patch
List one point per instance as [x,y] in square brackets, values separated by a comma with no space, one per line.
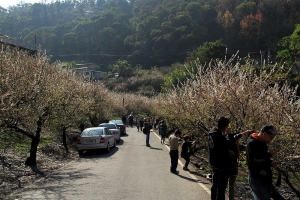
[21,143]
[242,178]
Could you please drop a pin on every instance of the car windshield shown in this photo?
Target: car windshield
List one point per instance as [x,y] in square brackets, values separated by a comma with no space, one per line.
[92,132]
[116,121]
[110,126]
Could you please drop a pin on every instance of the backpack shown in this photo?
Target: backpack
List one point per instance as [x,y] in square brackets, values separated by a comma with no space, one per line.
[144,130]
[147,128]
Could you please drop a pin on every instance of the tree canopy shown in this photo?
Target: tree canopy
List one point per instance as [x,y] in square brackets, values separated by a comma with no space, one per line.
[148,33]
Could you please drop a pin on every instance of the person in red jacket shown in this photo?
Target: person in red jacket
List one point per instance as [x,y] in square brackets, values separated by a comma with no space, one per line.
[260,163]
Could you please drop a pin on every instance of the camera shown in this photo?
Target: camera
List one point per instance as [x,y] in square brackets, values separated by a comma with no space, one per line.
[237,135]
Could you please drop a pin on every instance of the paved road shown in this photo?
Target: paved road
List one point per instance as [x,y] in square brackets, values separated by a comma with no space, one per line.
[130,171]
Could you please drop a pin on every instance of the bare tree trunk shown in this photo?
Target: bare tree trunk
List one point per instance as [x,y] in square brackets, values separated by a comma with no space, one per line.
[31,160]
[65,140]
[287,180]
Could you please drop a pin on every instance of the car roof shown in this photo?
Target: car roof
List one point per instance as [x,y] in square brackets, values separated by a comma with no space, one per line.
[116,120]
[93,128]
[108,125]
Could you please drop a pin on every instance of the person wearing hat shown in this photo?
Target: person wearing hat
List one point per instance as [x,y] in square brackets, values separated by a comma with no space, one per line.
[260,163]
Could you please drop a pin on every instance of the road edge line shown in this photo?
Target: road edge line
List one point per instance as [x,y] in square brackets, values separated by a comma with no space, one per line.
[206,189]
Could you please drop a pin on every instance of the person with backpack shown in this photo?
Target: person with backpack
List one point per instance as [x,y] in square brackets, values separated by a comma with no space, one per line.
[186,151]
[162,131]
[146,130]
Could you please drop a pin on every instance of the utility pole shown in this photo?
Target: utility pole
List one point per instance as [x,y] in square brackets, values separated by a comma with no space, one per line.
[262,57]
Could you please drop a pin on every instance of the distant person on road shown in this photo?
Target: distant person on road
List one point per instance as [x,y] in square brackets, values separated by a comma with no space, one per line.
[124,118]
[174,145]
[162,130]
[141,123]
[152,121]
[260,163]
[130,120]
[146,130]
[137,124]
[186,151]
[157,122]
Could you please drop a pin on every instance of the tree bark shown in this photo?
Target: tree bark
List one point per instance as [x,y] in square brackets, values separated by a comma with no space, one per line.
[31,160]
[65,140]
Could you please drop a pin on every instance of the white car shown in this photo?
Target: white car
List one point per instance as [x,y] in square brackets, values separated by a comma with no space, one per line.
[114,129]
[95,138]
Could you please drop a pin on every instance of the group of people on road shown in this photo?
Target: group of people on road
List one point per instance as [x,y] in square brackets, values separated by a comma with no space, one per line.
[224,151]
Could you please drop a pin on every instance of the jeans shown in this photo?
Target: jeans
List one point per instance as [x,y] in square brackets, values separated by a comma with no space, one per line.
[187,161]
[231,186]
[163,138]
[174,160]
[147,138]
[260,189]
[220,181]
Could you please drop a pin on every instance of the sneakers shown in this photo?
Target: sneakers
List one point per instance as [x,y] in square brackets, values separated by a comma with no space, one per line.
[148,145]
[176,172]
[185,169]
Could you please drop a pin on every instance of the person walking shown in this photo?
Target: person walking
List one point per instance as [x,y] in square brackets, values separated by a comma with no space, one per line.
[259,162]
[141,123]
[185,151]
[130,120]
[124,118]
[162,131]
[146,130]
[218,158]
[137,124]
[174,144]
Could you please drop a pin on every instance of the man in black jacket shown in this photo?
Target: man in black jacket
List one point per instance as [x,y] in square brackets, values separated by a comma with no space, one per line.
[218,158]
[260,163]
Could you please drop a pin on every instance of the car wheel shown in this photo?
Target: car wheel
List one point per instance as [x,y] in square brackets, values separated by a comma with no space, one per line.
[108,148]
[80,152]
[115,144]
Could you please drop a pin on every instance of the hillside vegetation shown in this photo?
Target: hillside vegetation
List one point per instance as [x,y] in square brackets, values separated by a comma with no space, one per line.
[39,99]
[149,33]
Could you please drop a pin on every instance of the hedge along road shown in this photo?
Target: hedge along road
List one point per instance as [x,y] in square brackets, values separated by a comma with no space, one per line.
[129,171]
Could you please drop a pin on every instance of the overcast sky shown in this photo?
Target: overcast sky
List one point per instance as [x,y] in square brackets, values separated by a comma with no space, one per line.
[6,3]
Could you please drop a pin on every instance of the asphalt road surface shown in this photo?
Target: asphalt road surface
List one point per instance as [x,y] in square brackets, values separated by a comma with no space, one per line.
[130,171]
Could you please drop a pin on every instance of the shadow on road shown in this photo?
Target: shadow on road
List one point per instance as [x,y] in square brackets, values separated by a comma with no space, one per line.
[191,179]
[155,148]
[98,153]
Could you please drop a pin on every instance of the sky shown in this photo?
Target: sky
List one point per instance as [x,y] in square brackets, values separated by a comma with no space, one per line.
[6,3]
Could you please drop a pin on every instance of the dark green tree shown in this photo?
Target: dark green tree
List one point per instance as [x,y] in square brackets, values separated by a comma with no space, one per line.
[291,44]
